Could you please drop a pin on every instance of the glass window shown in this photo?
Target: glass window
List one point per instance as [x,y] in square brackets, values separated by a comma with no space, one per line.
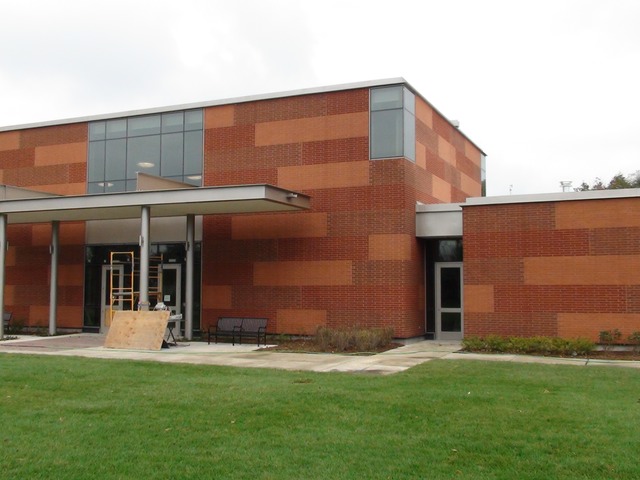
[116,128]
[148,125]
[96,161]
[409,135]
[171,159]
[193,120]
[115,186]
[386,134]
[449,250]
[386,98]
[409,101]
[172,122]
[393,125]
[143,155]
[451,322]
[121,147]
[95,187]
[97,131]
[115,159]
[193,180]
[193,152]
[450,290]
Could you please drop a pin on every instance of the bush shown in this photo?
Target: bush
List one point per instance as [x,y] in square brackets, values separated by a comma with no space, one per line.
[355,338]
[634,339]
[529,345]
[496,343]
[608,338]
[473,344]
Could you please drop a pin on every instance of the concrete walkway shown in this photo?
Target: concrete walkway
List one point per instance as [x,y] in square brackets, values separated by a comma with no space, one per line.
[393,361]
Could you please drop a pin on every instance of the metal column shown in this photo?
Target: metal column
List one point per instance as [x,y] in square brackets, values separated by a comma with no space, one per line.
[3,256]
[53,282]
[188,319]
[145,220]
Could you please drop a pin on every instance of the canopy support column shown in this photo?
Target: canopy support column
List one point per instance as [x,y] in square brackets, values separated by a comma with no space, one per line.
[3,256]
[189,247]
[53,282]
[145,222]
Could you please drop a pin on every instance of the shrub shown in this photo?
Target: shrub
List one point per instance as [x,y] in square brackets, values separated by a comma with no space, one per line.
[529,345]
[582,346]
[496,343]
[608,338]
[360,339]
[342,339]
[473,344]
[634,339]
[323,338]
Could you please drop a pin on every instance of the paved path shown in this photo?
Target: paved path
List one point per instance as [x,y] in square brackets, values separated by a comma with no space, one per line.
[392,361]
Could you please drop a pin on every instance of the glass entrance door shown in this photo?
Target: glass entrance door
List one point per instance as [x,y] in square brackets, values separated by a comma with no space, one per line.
[172,291]
[449,315]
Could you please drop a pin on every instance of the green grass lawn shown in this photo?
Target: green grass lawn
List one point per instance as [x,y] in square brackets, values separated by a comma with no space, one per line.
[63,417]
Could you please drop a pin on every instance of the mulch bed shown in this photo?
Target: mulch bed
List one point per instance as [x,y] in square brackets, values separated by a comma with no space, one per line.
[309,346]
[615,355]
[596,355]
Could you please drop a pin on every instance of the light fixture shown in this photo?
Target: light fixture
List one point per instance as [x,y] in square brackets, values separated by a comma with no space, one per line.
[194,177]
[146,164]
[105,184]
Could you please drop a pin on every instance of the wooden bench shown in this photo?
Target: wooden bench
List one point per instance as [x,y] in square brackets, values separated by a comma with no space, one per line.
[236,327]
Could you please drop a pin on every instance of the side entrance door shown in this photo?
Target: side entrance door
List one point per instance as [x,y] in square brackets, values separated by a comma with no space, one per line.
[449,314]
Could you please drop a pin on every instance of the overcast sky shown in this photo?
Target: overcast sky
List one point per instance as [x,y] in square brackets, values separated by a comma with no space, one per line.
[550,89]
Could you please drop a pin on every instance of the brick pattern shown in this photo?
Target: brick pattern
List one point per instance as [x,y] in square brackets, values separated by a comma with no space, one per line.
[353,259]
[451,161]
[28,272]
[50,159]
[556,268]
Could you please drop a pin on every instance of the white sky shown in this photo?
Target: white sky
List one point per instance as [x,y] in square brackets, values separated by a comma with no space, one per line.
[549,89]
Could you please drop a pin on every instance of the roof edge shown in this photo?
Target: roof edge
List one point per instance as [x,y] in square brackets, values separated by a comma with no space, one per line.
[554,197]
[210,103]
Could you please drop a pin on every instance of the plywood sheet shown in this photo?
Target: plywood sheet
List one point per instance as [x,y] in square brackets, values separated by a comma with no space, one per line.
[137,330]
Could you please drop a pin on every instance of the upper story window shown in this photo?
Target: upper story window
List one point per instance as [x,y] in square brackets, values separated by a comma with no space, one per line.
[392,130]
[168,145]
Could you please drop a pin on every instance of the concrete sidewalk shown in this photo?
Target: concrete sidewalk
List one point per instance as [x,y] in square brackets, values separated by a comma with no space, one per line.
[224,354]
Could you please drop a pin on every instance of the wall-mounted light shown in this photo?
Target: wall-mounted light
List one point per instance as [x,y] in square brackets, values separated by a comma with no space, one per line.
[146,164]
[292,195]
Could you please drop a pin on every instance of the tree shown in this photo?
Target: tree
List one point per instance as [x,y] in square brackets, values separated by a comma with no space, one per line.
[618,181]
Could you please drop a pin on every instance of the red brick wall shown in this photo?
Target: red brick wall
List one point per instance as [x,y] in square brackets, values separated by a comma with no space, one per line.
[353,259]
[49,159]
[569,268]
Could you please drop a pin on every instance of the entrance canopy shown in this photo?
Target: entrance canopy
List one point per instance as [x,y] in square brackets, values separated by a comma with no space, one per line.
[164,199]
[161,203]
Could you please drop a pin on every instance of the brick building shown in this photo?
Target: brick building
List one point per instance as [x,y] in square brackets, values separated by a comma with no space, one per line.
[364,154]
[564,265]
[334,206]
